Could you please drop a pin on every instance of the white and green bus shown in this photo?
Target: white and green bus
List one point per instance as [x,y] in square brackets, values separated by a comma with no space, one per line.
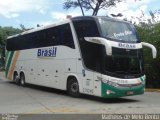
[98,56]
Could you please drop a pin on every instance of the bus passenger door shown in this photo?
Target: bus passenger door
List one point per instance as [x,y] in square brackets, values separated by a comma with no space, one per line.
[97,84]
[88,82]
[86,78]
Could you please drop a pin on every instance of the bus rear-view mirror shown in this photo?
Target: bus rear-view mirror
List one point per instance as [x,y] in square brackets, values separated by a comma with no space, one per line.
[101,41]
[154,51]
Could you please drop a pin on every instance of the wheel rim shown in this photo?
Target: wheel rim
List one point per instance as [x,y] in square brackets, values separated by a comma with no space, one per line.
[74,87]
[22,80]
[16,78]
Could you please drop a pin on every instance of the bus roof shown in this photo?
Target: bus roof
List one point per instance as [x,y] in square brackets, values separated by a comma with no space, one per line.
[96,17]
[63,22]
[40,28]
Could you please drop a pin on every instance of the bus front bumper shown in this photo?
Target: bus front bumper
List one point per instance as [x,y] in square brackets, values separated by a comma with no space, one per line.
[115,92]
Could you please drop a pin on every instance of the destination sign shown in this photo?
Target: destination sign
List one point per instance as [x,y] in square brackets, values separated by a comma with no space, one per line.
[126,45]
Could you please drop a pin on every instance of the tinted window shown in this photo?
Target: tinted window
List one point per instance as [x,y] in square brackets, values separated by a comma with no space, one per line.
[53,36]
[59,35]
[91,52]
[124,63]
[86,28]
[40,39]
[27,41]
[66,36]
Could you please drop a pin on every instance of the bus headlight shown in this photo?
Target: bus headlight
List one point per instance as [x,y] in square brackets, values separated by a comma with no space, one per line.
[114,84]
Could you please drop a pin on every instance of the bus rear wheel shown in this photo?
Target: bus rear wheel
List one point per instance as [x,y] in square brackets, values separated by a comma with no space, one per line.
[73,87]
[16,78]
[22,80]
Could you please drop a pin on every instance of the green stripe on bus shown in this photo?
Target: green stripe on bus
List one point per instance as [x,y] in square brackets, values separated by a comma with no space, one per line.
[9,62]
[7,52]
[7,56]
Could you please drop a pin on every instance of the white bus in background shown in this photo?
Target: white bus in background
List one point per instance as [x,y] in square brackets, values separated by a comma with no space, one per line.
[98,56]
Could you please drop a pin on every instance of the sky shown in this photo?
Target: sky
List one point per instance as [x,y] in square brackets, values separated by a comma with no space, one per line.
[45,12]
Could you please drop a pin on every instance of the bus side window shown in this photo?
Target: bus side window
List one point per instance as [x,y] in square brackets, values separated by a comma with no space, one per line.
[40,38]
[91,52]
[52,36]
[29,41]
[12,44]
[66,36]
[86,29]
[58,35]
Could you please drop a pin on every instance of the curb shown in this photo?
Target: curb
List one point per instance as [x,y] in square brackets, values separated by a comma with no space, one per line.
[152,90]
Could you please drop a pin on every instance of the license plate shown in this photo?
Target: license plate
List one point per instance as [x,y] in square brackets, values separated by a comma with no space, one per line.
[130,93]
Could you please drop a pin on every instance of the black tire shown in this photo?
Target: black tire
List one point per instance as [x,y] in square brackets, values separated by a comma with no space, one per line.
[73,87]
[16,79]
[22,80]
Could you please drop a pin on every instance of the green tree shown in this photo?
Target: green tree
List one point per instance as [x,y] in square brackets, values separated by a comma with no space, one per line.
[3,36]
[4,33]
[93,5]
[7,31]
[151,33]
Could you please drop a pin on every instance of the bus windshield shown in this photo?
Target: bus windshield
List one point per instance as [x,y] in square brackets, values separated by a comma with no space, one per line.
[118,31]
[125,62]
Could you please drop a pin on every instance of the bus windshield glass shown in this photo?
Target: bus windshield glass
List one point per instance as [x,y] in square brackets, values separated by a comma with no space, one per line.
[124,62]
[118,31]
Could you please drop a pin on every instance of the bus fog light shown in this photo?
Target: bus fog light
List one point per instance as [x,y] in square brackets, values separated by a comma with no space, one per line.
[108,92]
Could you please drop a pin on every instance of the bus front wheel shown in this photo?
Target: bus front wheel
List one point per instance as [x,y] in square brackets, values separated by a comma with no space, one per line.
[73,87]
[22,80]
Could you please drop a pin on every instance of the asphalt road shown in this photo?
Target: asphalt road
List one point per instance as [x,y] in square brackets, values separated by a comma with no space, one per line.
[40,100]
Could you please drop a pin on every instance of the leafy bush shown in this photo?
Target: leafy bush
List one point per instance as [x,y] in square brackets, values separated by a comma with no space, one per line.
[151,33]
